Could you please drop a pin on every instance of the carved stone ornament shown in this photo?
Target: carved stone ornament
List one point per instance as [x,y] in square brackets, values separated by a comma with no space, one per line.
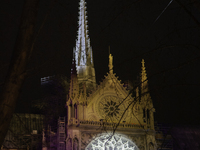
[109,108]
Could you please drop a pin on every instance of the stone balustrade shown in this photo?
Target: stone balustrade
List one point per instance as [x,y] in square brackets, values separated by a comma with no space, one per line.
[107,124]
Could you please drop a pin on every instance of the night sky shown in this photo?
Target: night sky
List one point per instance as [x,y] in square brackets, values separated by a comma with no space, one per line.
[168,41]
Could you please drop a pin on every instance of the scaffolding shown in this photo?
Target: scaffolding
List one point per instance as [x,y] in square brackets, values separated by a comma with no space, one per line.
[61,133]
[24,132]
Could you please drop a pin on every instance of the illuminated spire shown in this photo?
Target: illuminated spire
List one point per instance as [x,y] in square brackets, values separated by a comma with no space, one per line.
[144,81]
[83,50]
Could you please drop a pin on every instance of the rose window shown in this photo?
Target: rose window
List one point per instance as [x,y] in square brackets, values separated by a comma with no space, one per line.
[111,108]
[111,142]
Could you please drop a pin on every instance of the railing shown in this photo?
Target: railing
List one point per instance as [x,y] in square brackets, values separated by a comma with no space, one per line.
[104,123]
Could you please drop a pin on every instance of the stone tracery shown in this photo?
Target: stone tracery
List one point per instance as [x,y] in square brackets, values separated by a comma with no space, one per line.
[111,142]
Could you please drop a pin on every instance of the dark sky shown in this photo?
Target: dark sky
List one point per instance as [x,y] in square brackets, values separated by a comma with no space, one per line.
[169,45]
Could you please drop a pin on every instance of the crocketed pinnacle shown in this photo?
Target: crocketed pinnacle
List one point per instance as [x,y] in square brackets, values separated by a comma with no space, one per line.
[74,87]
[144,81]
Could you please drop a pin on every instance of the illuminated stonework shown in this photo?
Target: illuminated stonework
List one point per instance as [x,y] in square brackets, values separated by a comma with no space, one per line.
[109,142]
[93,109]
[109,108]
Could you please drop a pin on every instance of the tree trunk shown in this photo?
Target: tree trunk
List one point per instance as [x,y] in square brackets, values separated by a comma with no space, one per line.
[17,68]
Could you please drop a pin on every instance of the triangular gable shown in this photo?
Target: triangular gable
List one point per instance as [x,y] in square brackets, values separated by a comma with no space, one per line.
[110,102]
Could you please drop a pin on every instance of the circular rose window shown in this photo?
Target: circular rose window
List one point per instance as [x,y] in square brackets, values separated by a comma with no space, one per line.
[111,107]
[111,142]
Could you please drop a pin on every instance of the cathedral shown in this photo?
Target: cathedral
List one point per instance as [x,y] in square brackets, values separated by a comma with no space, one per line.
[107,116]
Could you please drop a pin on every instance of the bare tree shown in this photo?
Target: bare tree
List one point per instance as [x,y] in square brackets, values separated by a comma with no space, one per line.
[17,68]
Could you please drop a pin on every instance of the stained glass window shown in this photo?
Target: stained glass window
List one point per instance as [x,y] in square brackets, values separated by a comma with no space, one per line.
[111,142]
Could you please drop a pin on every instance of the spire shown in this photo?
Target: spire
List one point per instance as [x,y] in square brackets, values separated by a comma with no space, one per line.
[143,73]
[144,81]
[147,104]
[83,51]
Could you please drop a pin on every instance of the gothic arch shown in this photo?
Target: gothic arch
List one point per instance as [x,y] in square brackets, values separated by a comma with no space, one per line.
[69,144]
[75,144]
[108,141]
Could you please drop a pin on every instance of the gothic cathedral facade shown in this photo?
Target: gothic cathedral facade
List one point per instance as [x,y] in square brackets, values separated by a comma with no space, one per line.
[106,116]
